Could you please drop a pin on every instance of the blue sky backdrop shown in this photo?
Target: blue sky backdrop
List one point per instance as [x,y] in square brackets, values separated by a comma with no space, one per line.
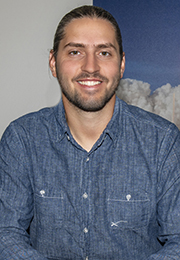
[151,38]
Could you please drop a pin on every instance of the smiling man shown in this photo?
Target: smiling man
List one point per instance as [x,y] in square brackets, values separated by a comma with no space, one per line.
[93,177]
[88,65]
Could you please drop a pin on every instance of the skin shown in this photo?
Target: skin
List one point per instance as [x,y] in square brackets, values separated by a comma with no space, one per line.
[88,67]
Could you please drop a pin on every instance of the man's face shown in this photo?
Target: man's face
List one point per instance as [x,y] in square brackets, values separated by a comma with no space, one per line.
[88,64]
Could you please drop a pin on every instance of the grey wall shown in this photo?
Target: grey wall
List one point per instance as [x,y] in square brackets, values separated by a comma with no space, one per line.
[27,30]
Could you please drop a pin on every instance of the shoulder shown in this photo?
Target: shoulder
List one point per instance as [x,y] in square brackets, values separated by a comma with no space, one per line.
[144,118]
[34,120]
[40,115]
[35,124]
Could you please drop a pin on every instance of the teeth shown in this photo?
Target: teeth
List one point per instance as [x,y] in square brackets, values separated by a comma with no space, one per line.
[89,83]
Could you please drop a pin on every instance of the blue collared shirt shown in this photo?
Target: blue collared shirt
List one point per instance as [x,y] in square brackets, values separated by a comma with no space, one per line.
[119,201]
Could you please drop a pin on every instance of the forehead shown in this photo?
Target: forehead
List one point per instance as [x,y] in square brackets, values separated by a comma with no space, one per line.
[89,31]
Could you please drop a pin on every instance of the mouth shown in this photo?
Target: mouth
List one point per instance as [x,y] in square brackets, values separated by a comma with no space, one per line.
[89,83]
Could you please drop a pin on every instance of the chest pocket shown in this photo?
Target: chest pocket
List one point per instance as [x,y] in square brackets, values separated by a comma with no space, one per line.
[49,208]
[128,212]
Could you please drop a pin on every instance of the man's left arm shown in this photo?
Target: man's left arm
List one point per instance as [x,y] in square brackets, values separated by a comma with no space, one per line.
[168,197]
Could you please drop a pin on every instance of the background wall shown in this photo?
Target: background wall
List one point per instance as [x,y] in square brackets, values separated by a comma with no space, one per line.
[27,30]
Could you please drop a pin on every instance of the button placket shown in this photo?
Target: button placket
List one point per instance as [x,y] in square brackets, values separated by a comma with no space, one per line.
[85,200]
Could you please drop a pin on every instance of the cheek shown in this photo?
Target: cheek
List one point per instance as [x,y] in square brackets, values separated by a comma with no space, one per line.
[68,68]
[112,71]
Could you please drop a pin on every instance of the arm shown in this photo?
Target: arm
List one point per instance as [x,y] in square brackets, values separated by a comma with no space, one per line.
[168,198]
[16,198]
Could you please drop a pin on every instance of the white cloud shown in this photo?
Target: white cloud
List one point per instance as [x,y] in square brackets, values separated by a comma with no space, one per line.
[164,101]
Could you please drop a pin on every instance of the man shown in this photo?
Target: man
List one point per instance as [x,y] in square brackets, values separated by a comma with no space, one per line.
[91,178]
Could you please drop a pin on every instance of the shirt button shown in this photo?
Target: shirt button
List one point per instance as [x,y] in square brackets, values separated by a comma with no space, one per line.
[87,160]
[68,137]
[85,230]
[42,192]
[85,195]
[86,258]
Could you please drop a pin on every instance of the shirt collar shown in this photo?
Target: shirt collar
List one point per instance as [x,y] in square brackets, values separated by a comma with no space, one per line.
[62,127]
[113,126]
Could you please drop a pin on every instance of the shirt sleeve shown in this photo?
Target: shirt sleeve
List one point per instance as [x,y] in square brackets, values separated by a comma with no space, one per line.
[168,197]
[16,198]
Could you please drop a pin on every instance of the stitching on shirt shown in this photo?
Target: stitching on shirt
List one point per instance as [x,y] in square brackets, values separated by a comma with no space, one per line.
[46,197]
[116,223]
[128,200]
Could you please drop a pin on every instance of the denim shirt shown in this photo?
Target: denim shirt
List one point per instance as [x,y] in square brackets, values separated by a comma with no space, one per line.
[119,201]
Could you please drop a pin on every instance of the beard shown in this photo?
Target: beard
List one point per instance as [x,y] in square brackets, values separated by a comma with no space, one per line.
[89,103]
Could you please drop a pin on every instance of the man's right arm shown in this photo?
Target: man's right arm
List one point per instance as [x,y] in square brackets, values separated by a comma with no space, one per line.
[16,198]
[15,246]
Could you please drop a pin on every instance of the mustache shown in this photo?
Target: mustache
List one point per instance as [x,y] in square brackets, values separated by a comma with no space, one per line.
[90,76]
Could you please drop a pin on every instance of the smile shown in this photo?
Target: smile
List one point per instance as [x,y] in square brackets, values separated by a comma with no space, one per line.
[89,83]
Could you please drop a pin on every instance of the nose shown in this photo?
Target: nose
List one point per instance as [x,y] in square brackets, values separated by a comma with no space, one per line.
[90,63]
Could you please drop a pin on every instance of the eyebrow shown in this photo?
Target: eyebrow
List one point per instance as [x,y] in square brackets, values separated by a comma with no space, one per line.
[106,45]
[73,44]
[98,46]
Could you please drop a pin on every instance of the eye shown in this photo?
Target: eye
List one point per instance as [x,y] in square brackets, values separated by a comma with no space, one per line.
[105,53]
[74,53]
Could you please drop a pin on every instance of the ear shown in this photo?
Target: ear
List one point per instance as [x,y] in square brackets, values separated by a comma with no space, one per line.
[122,65]
[52,63]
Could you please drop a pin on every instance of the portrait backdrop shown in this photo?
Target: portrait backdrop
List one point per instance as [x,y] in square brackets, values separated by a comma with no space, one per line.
[151,40]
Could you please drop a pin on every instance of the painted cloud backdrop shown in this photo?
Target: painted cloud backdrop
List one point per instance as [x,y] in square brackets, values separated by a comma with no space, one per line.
[164,101]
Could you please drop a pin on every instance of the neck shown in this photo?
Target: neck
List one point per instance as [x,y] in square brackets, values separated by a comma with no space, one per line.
[86,127]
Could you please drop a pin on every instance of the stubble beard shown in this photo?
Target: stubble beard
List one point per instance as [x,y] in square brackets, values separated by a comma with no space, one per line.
[90,104]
